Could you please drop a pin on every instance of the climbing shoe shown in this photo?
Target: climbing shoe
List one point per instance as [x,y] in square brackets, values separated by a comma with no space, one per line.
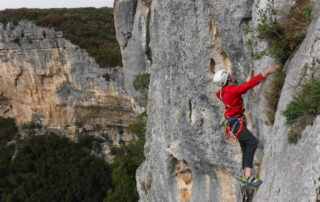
[243,179]
[251,181]
[254,182]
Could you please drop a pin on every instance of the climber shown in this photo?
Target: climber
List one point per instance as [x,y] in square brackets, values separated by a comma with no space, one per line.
[230,95]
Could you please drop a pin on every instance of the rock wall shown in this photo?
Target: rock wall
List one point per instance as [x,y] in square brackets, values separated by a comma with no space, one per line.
[47,80]
[285,165]
[131,22]
[186,156]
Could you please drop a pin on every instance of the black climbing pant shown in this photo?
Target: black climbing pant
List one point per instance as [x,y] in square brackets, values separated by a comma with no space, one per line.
[248,143]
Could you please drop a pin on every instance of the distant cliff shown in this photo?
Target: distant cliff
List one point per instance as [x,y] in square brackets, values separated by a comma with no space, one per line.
[184,43]
[47,80]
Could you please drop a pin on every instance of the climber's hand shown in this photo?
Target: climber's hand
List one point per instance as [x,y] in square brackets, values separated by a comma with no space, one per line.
[251,74]
[270,70]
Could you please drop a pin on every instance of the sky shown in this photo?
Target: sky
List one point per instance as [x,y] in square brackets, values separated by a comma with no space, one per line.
[54,3]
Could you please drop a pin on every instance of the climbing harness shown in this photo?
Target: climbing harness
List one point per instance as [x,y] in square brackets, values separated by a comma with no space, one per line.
[230,133]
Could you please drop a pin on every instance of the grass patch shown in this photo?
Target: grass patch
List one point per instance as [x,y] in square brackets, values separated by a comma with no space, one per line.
[303,109]
[283,37]
[272,95]
[146,185]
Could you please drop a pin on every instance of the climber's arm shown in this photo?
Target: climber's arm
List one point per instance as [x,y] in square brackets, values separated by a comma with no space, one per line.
[243,88]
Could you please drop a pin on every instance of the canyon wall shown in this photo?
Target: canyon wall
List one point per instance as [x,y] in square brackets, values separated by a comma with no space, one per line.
[131,22]
[186,156]
[46,80]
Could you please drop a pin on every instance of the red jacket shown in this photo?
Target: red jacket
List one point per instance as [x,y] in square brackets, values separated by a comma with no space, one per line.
[231,96]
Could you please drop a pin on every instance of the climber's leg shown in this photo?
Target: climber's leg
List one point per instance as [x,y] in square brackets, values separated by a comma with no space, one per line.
[249,147]
[248,143]
[243,150]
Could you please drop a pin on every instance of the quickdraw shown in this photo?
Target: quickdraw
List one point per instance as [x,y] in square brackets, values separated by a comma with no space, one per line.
[230,136]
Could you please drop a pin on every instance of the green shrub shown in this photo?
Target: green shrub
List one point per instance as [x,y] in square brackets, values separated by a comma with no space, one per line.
[139,126]
[272,94]
[303,109]
[106,76]
[8,130]
[141,82]
[117,151]
[293,137]
[44,34]
[30,126]
[146,185]
[305,102]
[283,37]
[17,41]
[308,10]
[268,26]
[125,166]
[90,142]
[90,28]
[259,55]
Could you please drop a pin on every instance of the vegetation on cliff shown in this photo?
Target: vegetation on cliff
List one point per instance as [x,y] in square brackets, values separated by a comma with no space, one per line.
[125,165]
[90,28]
[283,37]
[124,185]
[48,168]
[141,84]
[52,168]
[302,110]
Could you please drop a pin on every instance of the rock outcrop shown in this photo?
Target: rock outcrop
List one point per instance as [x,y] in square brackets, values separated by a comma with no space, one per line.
[131,22]
[186,156]
[47,80]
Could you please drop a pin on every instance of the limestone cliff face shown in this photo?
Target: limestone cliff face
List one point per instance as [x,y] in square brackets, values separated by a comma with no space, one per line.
[46,79]
[186,156]
[131,22]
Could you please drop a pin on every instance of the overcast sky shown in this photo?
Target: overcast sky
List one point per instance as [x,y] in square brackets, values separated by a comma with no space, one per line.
[54,3]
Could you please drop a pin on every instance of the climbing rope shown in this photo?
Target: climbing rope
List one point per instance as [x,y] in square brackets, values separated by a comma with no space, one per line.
[230,136]
[247,193]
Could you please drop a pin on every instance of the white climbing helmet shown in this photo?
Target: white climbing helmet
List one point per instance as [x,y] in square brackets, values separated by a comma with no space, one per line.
[220,77]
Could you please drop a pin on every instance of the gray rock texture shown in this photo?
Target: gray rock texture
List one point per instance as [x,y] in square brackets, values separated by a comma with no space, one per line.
[284,165]
[131,22]
[47,80]
[186,156]
[184,137]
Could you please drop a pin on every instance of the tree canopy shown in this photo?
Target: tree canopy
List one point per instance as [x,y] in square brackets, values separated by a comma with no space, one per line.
[48,168]
[90,28]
